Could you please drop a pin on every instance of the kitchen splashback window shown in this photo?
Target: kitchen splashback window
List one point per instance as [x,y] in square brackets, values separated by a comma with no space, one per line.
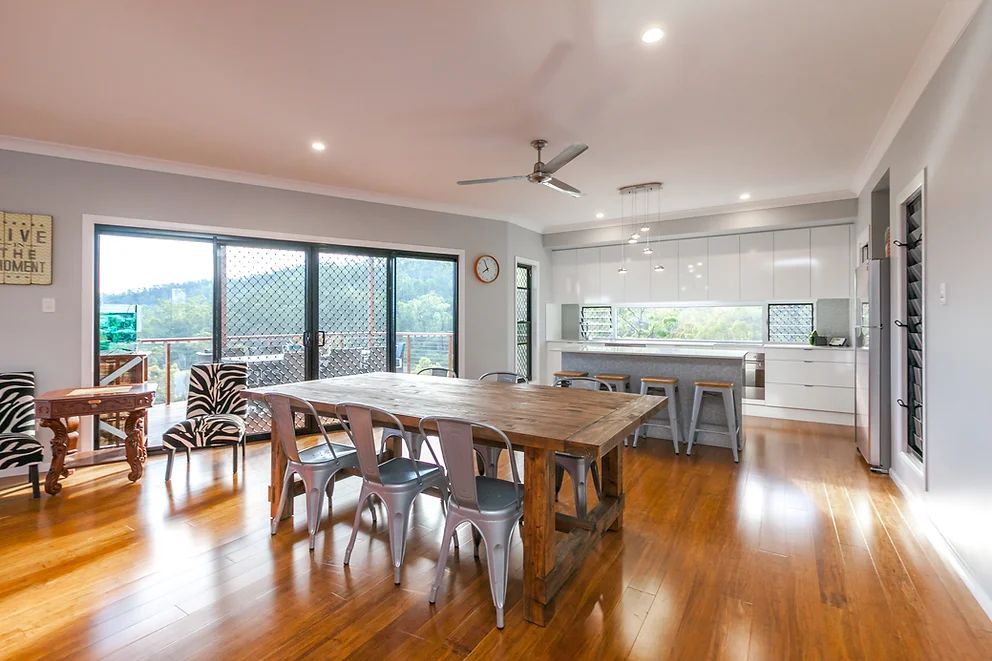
[596,322]
[790,323]
[738,323]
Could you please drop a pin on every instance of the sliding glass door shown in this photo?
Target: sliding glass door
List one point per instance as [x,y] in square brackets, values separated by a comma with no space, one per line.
[291,311]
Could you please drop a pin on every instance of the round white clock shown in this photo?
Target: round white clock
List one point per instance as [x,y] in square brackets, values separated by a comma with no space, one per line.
[486,268]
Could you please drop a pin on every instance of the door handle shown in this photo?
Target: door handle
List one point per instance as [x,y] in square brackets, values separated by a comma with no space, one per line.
[306,338]
[900,324]
[321,338]
[902,403]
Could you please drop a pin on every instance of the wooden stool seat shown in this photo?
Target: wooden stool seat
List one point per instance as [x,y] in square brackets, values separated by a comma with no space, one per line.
[613,377]
[714,384]
[569,374]
[664,380]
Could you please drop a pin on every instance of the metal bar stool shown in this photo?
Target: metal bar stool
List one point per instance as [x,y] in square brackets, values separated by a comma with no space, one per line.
[616,382]
[565,375]
[726,390]
[669,387]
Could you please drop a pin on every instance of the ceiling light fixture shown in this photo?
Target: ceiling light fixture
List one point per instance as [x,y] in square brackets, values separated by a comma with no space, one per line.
[318,146]
[652,35]
[639,218]
[658,268]
[600,215]
[744,196]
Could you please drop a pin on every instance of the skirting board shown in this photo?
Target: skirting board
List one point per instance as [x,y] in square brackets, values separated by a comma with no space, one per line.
[942,546]
[803,415]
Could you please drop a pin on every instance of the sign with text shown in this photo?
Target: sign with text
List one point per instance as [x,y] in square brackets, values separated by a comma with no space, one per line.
[25,249]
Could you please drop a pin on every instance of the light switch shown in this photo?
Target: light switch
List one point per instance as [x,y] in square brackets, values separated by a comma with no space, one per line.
[942,293]
[48,305]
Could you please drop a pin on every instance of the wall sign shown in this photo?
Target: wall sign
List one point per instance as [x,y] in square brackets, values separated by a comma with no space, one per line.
[25,249]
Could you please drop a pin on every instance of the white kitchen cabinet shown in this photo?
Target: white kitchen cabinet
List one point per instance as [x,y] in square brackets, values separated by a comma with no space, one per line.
[664,284]
[809,397]
[692,270]
[830,262]
[587,275]
[637,282]
[724,268]
[611,283]
[757,258]
[563,276]
[791,270]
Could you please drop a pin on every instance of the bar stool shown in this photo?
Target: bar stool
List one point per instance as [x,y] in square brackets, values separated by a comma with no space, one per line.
[669,387]
[726,390]
[616,382]
[565,375]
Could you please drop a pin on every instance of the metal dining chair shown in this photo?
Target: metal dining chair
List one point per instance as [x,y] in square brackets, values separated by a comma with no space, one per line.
[316,466]
[396,482]
[575,465]
[489,455]
[439,371]
[493,507]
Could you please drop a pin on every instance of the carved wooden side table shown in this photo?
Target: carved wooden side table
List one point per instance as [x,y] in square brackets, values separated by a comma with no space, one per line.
[52,408]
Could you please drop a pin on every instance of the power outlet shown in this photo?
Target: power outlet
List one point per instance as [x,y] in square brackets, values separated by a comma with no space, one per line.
[48,305]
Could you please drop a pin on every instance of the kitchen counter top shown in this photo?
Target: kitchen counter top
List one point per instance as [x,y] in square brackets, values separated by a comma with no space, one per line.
[648,350]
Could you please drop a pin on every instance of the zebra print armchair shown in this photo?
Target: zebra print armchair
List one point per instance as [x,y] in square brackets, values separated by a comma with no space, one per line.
[215,412]
[18,446]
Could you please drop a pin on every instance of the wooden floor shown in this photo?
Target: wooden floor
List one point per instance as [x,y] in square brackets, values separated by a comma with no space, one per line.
[798,552]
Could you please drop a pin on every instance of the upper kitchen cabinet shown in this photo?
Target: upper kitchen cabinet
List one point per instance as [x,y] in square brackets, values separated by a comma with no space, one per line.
[757,259]
[791,272]
[637,281]
[563,277]
[611,283]
[693,270]
[830,261]
[664,283]
[587,275]
[724,254]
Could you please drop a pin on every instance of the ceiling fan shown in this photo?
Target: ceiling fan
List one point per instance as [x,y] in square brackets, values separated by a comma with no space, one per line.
[542,171]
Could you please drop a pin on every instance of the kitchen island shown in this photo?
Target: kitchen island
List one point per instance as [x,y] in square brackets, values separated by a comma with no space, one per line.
[686,363]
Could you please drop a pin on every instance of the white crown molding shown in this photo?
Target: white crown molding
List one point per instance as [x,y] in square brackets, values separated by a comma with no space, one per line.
[950,24]
[700,212]
[90,155]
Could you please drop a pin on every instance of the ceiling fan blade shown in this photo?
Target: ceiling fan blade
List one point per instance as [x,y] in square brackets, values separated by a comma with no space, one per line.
[561,186]
[490,180]
[566,155]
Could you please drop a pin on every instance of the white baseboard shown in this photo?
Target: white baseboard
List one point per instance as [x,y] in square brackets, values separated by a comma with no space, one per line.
[804,415]
[942,546]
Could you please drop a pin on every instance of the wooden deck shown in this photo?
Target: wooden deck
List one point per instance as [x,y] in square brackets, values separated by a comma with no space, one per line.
[797,552]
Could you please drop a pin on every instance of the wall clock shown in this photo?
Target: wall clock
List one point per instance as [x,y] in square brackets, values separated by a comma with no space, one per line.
[486,268]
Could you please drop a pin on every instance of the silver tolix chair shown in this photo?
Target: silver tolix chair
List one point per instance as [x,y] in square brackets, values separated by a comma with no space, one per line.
[489,455]
[439,371]
[493,507]
[575,465]
[415,440]
[396,482]
[316,466]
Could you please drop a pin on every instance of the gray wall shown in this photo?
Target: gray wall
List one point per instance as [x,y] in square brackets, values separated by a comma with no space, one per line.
[50,344]
[949,132]
[759,220]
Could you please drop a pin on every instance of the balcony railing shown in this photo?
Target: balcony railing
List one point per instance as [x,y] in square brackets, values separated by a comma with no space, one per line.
[341,353]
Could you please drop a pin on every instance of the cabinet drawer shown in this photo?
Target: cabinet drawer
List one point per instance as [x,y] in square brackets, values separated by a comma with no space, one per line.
[809,372]
[809,353]
[816,398]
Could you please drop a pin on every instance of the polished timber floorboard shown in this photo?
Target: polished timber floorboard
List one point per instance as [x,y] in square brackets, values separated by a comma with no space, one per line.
[798,552]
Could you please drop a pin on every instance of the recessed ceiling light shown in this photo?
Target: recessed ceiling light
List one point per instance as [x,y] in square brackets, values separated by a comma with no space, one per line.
[600,215]
[652,35]
[317,145]
[745,196]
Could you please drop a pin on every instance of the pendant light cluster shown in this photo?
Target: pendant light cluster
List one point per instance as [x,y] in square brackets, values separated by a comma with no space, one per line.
[639,204]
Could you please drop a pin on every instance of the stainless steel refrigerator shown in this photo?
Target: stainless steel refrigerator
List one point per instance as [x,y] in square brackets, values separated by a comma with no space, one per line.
[872,375]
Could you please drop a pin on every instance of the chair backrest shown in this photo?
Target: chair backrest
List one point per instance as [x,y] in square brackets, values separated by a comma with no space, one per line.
[358,421]
[283,415]
[216,388]
[503,377]
[583,383]
[457,438]
[439,371]
[17,402]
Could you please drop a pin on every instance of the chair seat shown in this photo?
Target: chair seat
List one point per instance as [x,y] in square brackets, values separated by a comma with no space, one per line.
[320,454]
[496,495]
[19,450]
[613,377]
[401,470]
[203,431]
[714,384]
[662,380]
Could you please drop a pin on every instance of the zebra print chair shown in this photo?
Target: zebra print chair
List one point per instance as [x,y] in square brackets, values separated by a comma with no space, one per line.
[18,446]
[215,412]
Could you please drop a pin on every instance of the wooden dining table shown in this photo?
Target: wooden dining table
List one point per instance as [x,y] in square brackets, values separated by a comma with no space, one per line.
[538,420]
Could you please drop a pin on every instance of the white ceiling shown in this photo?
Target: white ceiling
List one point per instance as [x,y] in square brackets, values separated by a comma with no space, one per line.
[780,98]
